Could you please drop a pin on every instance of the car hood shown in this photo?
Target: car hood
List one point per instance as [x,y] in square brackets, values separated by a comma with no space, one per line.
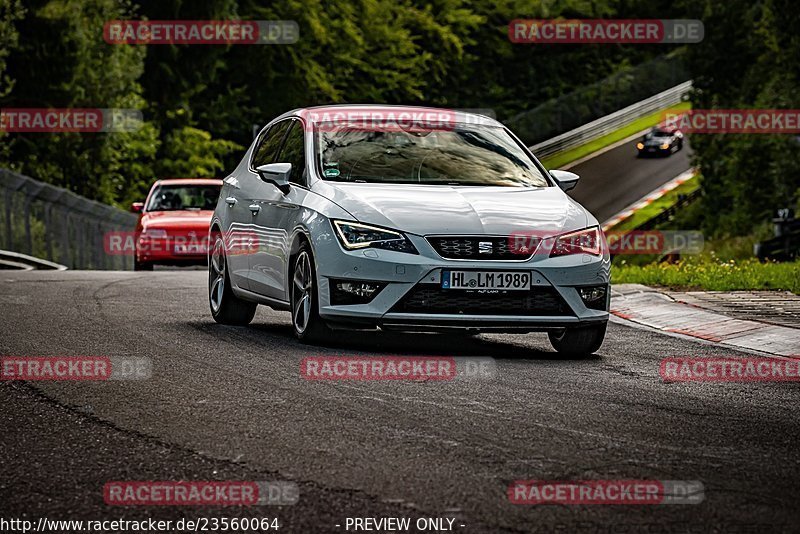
[177,219]
[442,209]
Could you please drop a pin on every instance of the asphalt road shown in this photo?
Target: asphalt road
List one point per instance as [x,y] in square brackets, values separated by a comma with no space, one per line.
[612,181]
[228,403]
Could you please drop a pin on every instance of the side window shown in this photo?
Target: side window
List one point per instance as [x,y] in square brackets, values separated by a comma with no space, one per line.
[270,144]
[294,152]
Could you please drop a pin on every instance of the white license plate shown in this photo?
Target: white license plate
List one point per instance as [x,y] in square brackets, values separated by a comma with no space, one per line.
[192,248]
[507,280]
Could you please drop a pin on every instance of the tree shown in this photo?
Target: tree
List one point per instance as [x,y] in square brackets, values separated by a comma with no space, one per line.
[68,65]
[748,59]
[10,11]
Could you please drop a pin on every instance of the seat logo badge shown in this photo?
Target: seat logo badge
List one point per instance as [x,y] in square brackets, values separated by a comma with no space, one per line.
[484,247]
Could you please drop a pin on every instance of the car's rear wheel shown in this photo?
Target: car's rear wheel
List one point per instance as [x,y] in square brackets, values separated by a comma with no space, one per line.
[308,325]
[579,341]
[226,308]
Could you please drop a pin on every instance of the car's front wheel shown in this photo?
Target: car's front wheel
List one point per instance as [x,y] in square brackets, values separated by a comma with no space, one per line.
[226,308]
[308,325]
[579,341]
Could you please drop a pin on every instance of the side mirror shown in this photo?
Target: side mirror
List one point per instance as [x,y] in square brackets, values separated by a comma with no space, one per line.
[277,174]
[137,207]
[565,180]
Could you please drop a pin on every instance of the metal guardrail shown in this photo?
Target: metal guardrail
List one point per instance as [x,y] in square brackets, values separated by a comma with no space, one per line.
[52,223]
[15,260]
[604,125]
[586,103]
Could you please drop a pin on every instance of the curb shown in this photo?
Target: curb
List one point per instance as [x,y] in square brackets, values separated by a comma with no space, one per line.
[649,199]
[643,306]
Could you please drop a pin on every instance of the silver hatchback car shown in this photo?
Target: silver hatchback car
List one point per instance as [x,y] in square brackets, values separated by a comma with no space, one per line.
[419,219]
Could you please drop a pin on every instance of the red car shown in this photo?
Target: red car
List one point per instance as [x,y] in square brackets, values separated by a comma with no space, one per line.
[174,221]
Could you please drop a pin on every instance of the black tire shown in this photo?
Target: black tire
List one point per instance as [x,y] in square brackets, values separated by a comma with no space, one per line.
[226,308]
[580,341]
[308,326]
[142,265]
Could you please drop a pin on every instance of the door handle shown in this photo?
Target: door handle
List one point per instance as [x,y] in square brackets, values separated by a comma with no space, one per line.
[231,201]
[254,208]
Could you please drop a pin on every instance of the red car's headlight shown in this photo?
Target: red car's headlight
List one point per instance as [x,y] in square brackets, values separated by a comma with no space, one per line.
[587,241]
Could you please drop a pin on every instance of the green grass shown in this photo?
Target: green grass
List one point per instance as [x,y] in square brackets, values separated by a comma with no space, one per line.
[711,274]
[562,158]
[657,206]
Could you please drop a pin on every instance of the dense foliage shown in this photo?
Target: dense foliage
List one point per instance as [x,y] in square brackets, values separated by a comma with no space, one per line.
[750,58]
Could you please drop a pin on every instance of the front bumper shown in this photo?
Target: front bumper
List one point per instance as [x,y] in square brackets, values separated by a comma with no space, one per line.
[552,303]
[654,151]
[177,248]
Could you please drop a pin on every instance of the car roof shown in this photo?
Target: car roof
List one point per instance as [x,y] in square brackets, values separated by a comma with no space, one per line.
[189,181]
[459,115]
[665,129]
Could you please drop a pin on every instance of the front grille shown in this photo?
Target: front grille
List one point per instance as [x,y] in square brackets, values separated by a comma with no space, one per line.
[495,248]
[427,298]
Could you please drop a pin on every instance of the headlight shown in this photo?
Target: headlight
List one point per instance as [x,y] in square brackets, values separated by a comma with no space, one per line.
[640,146]
[664,146]
[355,235]
[580,242]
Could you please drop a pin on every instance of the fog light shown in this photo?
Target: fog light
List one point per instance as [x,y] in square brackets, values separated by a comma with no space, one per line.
[354,291]
[593,296]
[359,289]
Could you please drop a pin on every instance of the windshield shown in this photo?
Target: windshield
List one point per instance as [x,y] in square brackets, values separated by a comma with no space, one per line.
[463,155]
[657,133]
[184,197]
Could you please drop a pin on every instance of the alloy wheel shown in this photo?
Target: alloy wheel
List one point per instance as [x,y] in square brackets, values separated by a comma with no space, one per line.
[302,292]
[216,267]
